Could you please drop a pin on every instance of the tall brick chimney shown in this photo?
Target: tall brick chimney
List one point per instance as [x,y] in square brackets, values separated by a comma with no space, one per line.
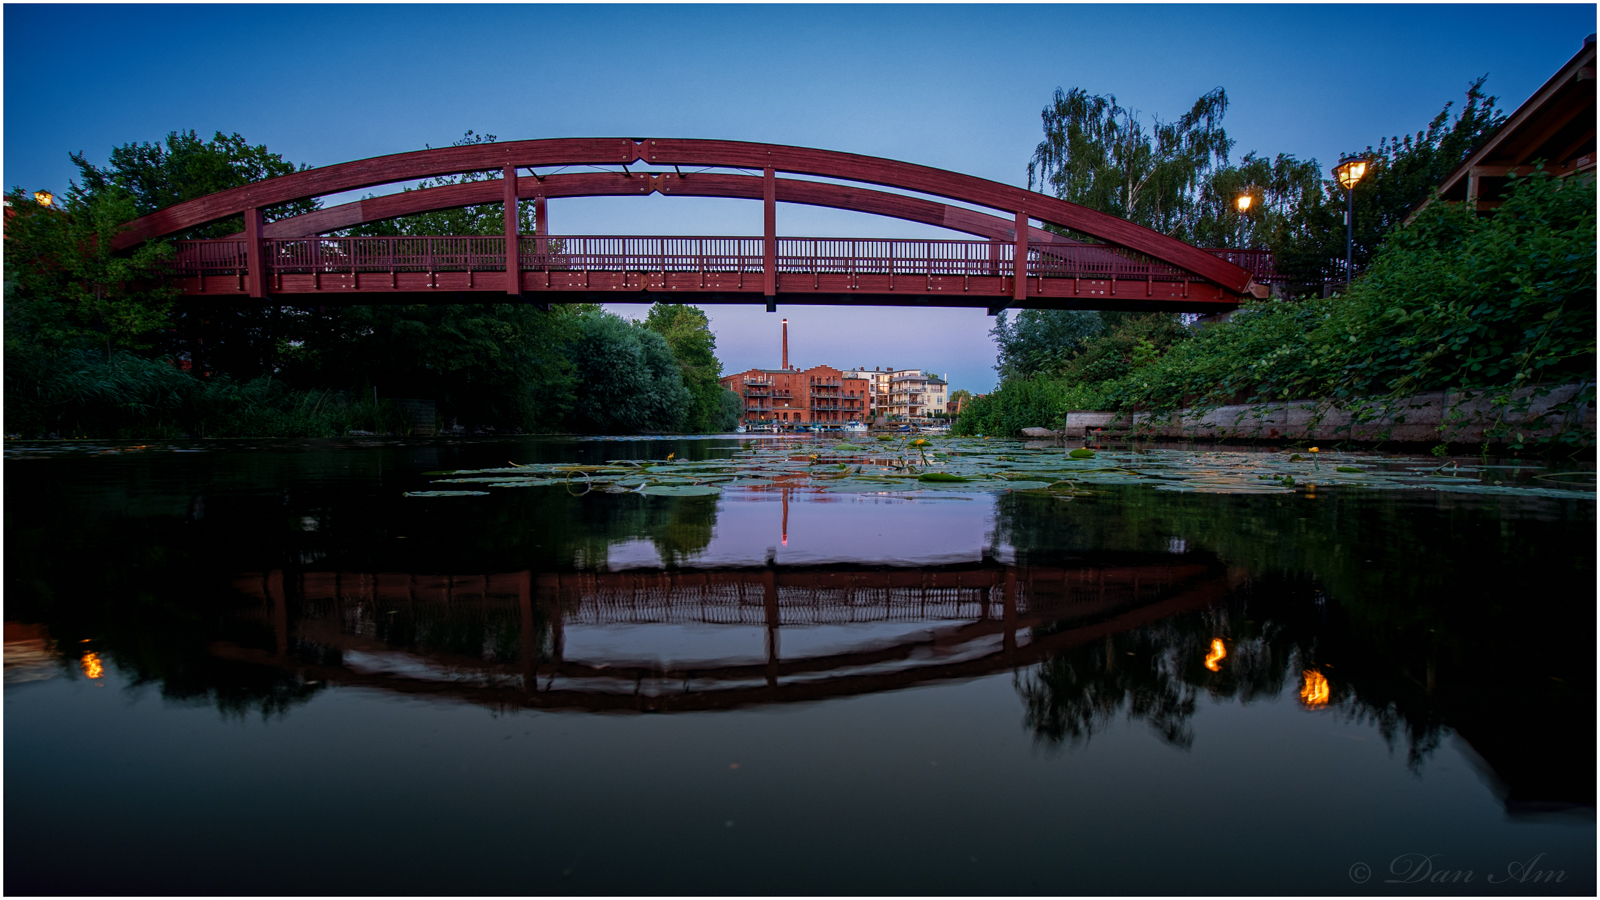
[785,343]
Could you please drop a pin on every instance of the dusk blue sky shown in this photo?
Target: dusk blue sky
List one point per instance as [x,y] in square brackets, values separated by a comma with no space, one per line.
[957,87]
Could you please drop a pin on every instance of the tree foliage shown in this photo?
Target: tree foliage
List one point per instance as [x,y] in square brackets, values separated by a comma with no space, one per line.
[1405,171]
[186,167]
[627,379]
[687,331]
[482,218]
[481,363]
[1456,301]
[97,345]
[65,288]
[214,336]
[1041,340]
[1099,154]
[1178,178]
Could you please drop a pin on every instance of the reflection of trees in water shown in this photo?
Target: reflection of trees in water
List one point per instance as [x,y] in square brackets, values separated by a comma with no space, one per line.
[1155,674]
[1076,693]
[146,581]
[679,527]
[1423,611]
[1274,632]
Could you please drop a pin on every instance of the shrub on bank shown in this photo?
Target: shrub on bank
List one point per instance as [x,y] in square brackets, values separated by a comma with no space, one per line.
[1024,403]
[76,393]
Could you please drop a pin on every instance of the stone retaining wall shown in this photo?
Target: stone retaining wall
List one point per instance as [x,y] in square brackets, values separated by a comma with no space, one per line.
[1429,417]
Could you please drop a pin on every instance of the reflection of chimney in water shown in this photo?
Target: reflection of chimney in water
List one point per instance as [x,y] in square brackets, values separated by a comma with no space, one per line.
[786,517]
[785,343]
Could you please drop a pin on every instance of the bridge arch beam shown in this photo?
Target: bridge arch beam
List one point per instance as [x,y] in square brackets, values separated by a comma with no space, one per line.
[1020,203]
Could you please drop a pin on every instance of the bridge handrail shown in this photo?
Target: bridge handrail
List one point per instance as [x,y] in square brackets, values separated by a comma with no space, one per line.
[721,254]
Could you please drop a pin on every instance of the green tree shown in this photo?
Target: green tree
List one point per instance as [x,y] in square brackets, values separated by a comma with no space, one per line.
[500,364]
[627,380]
[1099,154]
[687,331]
[484,364]
[483,218]
[1041,340]
[1405,171]
[63,285]
[1281,190]
[186,167]
[242,340]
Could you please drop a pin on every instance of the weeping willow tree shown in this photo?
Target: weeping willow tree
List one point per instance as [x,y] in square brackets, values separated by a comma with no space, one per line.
[1099,154]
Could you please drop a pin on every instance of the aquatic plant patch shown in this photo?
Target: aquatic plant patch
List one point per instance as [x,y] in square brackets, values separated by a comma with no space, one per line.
[909,465]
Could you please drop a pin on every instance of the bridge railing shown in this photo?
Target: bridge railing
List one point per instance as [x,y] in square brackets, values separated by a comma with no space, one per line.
[1098,261]
[608,253]
[220,257]
[602,253]
[1259,263]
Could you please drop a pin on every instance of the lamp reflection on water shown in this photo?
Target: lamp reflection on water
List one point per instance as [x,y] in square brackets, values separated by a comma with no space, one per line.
[1214,658]
[1314,690]
[91,665]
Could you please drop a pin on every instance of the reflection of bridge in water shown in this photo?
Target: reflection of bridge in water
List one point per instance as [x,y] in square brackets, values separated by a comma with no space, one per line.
[340,628]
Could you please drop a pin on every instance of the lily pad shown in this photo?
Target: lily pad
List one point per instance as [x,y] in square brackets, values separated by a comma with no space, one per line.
[447,493]
[680,490]
[1082,453]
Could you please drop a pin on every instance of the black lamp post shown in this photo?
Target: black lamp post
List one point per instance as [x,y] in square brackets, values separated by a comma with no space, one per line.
[1243,204]
[1350,170]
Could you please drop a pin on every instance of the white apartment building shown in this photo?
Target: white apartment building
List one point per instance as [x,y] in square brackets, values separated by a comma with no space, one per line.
[905,393]
[877,389]
[914,395]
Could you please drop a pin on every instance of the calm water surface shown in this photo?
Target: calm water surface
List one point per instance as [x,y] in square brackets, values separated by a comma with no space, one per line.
[257,668]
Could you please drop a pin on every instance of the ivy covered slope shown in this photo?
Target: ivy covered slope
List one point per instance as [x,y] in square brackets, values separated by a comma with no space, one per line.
[1454,301]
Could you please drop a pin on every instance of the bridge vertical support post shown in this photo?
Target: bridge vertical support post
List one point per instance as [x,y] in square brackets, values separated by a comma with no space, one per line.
[254,258]
[1019,265]
[769,598]
[769,231]
[529,648]
[513,256]
[280,611]
[1009,622]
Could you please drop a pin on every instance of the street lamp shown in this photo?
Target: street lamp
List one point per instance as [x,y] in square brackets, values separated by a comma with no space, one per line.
[1349,171]
[44,198]
[1243,202]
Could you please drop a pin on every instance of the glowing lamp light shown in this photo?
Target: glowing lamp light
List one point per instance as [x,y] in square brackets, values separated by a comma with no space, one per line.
[44,199]
[1214,658]
[1351,170]
[1243,202]
[92,667]
[1314,691]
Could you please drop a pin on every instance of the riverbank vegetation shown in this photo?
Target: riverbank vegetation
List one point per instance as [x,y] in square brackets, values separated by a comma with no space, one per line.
[99,345]
[1456,301]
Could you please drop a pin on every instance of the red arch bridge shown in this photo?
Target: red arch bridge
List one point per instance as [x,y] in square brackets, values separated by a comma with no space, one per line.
[1009,262]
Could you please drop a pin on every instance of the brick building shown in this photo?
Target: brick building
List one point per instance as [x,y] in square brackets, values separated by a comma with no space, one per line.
[790,396]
